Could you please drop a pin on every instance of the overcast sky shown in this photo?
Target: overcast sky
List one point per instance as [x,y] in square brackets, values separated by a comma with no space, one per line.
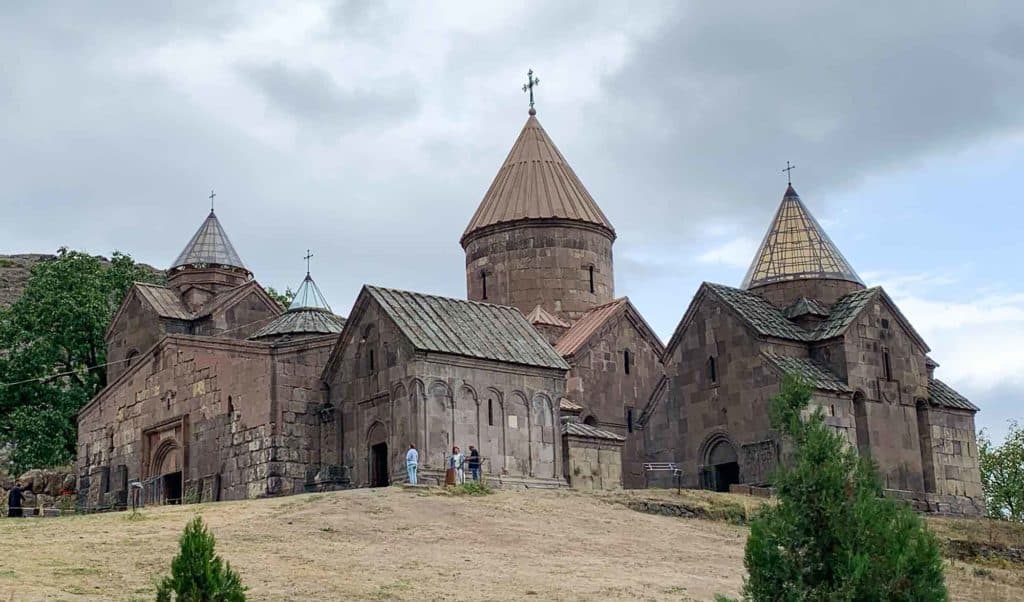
[369,131]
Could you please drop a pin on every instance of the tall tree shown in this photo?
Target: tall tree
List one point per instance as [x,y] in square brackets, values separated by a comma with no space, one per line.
[52,351]
[832,536]
[1002,474]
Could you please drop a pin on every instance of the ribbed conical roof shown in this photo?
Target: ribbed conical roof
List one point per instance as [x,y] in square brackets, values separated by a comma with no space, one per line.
[308,314]
[797,248]
[536,182]
[309,296]
[209,246]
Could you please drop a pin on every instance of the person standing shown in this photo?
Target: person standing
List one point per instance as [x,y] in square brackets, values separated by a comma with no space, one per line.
[474,463]
[412,463]
[458,463]
[15,499]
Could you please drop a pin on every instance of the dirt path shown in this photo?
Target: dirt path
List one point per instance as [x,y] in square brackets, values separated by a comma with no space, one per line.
[396,544]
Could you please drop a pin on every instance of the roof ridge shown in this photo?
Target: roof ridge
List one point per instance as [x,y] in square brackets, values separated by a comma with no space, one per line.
[436,296]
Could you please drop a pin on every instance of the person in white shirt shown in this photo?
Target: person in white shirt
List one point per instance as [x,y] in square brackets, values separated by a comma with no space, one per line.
[412,462]
[457,462]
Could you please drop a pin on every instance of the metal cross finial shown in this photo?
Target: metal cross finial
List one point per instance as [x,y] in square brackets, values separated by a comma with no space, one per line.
[308,256]
[531,82]
[212,195]
[789,168]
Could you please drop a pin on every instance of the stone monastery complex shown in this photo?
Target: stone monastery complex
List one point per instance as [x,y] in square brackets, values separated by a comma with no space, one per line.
[215,393]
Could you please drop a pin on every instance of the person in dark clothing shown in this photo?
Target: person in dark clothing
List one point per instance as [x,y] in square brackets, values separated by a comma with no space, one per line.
[15,499]
[474,462]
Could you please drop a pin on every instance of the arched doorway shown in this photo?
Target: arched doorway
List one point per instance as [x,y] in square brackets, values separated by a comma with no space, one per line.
[167,473]
[721,464]
[377,443]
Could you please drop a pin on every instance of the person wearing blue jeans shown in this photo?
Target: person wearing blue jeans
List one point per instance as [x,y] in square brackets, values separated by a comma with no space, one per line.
[412,462]
[474,462]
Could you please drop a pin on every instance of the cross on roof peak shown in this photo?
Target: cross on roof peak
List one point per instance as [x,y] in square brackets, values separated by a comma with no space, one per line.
[788,169]
[211,197]
[309,255]
[531,83]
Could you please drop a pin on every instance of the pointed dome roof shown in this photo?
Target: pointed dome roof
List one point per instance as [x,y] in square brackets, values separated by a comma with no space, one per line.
[536,182]
[797,248]
[309,296]
[209,246]
[309,314]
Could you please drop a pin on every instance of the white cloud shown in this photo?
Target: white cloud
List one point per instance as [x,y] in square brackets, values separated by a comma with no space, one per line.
[738,252]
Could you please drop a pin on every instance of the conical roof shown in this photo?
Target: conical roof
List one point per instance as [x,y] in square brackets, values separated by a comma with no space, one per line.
[797,248]
[536,182]
[309,314]
[309,296]
[209,246]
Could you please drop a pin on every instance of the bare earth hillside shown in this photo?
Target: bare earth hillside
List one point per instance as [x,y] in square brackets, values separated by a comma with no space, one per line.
[403,544]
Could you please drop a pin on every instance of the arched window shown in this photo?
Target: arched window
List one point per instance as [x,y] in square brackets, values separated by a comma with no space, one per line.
[483,281]
[490,412]
[712,370]
[130,358]
[887,364]
[626,360]
[590,421]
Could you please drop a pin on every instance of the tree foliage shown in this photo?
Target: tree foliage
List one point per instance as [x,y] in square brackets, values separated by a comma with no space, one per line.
[1002,474]
[283,299]
[832,536]
[54,332]
[197,573]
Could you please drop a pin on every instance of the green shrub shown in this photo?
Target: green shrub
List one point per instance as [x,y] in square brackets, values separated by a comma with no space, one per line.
[832,536]
[197,574]
[474,488]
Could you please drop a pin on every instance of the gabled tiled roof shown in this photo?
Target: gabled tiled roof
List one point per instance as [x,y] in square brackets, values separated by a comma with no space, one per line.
[539,315]
[209,246]
[816,375]
[942,395]
[567,405]
[578,429]
[536,182]
[844,312]
[803,307]
[764,317]
[466,328]
[231,296]
[796,247]
[163,300]
[586,326]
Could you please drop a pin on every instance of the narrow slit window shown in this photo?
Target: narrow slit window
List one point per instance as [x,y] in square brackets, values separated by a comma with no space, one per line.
[371,362]
[590,271]
[887,364]
[626,360]
[712,370]
[490,412]
[629,419]
[483,280]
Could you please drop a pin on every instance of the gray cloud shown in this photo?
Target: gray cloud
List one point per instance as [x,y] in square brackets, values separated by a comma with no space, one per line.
[310,95]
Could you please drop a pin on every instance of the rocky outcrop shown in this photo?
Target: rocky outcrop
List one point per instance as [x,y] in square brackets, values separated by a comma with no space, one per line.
[15,270]
[44,488]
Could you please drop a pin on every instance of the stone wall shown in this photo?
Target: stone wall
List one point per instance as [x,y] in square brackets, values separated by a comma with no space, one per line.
[950,448]
[782,294]
[436,401]
[592,465]
[889,409]
[135,330]
[235,414]
[936,503]
[613,400]
[536,264]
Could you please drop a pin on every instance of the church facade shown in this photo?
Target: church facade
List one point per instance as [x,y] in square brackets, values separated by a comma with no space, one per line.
[217,392]
[803,310]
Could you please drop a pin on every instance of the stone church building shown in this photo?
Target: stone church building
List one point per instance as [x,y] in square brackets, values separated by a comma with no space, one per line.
[216,392]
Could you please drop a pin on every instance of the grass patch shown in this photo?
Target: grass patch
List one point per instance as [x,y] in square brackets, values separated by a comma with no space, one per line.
[390,591]
[473,488]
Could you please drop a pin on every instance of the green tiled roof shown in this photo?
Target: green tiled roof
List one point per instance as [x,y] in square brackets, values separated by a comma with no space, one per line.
[844,312]
[301,321]
[804,306]
[467,328]
[814,374]
[764,317]
[942,395]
